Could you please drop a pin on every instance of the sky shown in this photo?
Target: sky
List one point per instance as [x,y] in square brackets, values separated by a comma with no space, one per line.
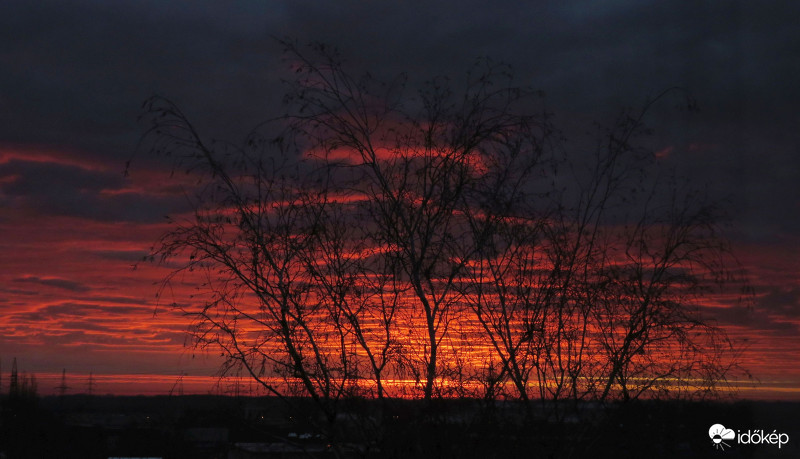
[74,294]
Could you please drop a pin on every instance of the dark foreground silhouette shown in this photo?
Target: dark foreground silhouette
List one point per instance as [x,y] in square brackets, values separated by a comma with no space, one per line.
[247,427]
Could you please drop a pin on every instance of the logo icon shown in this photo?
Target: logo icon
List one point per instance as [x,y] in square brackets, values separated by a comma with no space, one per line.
[719,434]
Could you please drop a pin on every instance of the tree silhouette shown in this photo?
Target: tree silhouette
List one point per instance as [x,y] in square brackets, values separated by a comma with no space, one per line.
[445,236]
[597,297]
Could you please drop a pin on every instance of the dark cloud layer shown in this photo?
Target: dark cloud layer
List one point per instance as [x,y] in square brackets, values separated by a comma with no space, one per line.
[87,310]
[76,73]
[62,189]
[65,284]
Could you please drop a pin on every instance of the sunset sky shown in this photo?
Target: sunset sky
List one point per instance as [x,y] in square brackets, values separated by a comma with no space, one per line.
[75,74]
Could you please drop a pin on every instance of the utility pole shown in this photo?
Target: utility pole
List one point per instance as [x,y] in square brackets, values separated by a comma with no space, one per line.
[62,388]
[13,388]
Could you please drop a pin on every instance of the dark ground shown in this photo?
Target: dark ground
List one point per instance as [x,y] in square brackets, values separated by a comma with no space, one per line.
[229,427]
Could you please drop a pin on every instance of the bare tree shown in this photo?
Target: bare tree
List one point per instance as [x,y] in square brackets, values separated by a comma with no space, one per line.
[421,171]
[443,235]
[259,220]
[596,295]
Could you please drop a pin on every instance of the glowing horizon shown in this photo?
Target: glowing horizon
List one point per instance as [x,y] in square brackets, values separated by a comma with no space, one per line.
[49,384]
